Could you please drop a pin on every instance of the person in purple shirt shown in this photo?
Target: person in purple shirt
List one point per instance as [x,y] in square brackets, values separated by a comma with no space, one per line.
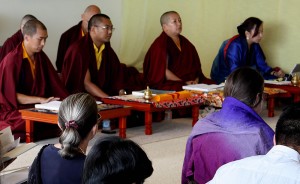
[63,162]
[233,133]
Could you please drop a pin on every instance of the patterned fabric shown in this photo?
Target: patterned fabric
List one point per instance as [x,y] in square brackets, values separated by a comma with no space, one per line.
[212,98]
[188,98]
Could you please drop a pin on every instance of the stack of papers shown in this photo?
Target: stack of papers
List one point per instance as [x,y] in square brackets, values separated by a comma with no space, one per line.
[203,87]
[277,82]
[10,147]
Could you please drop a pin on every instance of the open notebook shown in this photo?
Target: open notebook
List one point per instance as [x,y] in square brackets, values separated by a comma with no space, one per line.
[203,87]
[53,105]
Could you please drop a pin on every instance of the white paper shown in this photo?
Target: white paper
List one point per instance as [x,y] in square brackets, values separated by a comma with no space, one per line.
[203,87]
[277,82]
[53,105]
[10,147]
[7,140]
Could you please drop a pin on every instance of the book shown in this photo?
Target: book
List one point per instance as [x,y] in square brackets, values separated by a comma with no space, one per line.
[154,92]
[203,87]
[53,105]
[10,148]
[276,82]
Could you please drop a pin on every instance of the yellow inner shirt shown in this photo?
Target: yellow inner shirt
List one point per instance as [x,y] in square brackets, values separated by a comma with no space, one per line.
[98,53]
[31,63]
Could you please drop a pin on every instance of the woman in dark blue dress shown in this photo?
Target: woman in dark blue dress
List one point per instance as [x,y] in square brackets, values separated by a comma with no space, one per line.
[63,162]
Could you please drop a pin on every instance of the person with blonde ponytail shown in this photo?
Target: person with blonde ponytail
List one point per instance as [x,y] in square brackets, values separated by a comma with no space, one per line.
[63,162]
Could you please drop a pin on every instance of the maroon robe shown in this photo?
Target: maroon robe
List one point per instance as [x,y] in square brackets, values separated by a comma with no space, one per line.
[10,44]
[110,78]
[185,64]
[17,78]
[67,38]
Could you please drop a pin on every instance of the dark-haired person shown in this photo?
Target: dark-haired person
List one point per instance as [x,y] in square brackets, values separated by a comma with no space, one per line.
[74,33]
[114,160]
[12,42]
[63,162]
[92,66]
[172,60]
[233,133]
[280,165]
[243,50]
[27,77]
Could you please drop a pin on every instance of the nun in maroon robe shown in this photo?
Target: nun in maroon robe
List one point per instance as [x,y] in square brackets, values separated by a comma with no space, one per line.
[185,63]
[17,78]
[111,77]
[67,38]
[10,44]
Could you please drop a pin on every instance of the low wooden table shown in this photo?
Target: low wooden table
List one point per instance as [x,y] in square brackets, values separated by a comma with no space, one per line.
[293,91]
[273,93]
[139,104]
[33,115]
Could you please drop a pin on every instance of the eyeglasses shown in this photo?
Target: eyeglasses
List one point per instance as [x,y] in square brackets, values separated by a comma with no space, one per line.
[111,28]
[98,119]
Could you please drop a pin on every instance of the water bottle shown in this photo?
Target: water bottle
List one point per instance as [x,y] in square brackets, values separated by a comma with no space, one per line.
[106,124]
[168,114]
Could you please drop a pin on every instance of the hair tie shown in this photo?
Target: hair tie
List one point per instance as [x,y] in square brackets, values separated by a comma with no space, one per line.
[72,124]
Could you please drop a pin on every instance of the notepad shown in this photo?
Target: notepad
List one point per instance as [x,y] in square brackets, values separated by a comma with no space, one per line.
[203,87]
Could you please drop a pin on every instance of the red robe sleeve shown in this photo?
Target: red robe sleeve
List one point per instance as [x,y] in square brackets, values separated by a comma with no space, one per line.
[67,38]
[10,44]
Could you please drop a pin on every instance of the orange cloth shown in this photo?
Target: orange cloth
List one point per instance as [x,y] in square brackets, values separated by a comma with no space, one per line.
[172,96]
[32,64]
[272,91]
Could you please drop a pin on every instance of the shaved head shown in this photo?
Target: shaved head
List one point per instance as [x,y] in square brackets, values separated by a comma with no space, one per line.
[166,16]
[87,14]
[92,8]
[25,19]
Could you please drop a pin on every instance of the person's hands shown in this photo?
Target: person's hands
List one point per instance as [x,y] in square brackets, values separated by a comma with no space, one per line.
[279,73]
[196,81]
[46,100]
[122,92]
[190,82]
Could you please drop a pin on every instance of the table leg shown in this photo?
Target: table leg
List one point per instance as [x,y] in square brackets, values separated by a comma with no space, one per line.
[29,130]
[148,123]
[271,105]
[195,114]
[122,127]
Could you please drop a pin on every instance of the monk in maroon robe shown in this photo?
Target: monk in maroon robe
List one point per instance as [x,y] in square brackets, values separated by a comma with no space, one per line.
[73,34]
[12,42]
[172,61]
[101,77]
[28,77]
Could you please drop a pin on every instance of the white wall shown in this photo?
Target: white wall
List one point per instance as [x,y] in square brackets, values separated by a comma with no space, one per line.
[58,16]
[207,23]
